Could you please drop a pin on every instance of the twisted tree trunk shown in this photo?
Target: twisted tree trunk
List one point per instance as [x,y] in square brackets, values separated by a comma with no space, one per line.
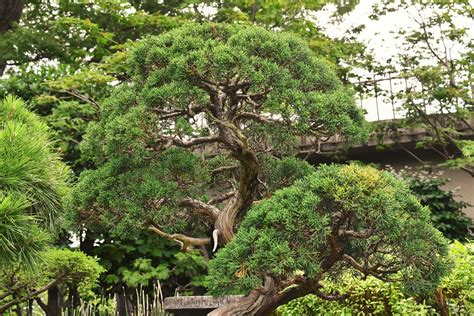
[274,293]
[265,300]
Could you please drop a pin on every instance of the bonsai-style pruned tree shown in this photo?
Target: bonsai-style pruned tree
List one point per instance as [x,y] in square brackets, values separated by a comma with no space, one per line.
[208,126]
[337,220]
[207,106]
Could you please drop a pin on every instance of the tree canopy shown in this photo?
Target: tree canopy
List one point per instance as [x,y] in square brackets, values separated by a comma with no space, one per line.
[199,130]
[234,93]
[58,267]
[339,219]
[437,60]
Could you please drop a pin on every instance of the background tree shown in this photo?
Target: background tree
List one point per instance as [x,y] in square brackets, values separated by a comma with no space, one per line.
[437,55]
[59,268]
[140,261]
[446,213]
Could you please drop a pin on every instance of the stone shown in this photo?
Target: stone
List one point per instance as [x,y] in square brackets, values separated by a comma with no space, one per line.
[196,305]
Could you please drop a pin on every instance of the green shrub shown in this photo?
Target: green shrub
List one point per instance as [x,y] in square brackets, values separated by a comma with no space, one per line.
[446,213]
[375,297]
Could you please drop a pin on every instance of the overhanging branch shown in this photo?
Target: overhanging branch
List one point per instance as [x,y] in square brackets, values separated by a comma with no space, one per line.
[331,297]
[355,234]
[221,198]
[255,117]
[195,141]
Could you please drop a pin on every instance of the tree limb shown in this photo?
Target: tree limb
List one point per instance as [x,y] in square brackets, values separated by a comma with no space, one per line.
[331,297]
[12,291]
[201,208]
[224,168]
[354,263]
[183,240]
[255,117]
[221,198]
[33,294]
[359,235]
[195,141]
[41,304]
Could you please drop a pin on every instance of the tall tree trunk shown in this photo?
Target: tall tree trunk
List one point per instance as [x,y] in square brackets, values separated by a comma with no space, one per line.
[10,11]
[264,300]
[17,307]
[124,306]
[440,303]
[53,307]
[74,300]
[30,308]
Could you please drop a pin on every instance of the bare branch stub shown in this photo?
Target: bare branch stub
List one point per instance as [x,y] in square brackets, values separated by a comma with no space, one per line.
[185,241]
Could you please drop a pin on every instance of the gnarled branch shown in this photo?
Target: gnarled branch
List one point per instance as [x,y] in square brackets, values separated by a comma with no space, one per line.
[331,297]
[195,141]
[354,234]
[255,117]
[223,169]
[201,208]
[221,198]
[184,241]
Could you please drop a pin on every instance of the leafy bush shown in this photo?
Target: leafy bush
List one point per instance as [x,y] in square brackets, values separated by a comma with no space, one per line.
[446,213]
[58,267]
[372,296]
[140,260]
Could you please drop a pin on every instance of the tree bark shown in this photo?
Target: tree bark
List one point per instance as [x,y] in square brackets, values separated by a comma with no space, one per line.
[17,307]
[257,302]
[239,204]
[10,11]
[53,307]
[440,303]
[30,308]
[74,300]
[53,283]
[124,307]
[265,300]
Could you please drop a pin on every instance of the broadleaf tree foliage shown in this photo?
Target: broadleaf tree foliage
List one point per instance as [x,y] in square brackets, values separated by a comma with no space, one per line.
[57,267]
[436,55]
[208,123]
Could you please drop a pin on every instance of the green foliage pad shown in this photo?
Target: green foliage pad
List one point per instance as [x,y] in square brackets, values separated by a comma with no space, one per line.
[309,230]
